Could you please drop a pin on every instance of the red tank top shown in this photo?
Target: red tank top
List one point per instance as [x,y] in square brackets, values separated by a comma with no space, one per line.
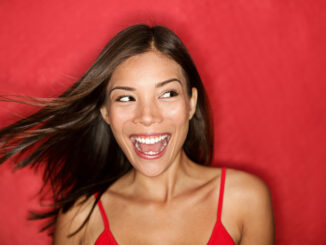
[219,235]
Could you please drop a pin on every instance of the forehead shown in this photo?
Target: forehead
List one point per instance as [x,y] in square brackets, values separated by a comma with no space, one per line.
[149,67]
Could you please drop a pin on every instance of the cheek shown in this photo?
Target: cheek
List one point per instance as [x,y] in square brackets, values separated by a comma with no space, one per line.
[178,116]
[178,112]
[118,117]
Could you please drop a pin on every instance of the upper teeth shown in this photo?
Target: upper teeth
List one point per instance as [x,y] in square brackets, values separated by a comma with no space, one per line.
[150,140]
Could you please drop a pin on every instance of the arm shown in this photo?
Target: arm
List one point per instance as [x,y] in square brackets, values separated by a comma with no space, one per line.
[258,224]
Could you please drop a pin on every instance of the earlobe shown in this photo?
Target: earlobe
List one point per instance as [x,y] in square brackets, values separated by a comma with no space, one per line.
[193,102]
[105,115]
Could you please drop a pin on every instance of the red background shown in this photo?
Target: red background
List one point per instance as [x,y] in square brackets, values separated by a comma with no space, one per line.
[262,62]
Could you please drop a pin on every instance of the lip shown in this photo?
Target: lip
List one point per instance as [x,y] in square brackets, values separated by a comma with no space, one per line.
[148,134]
[145,156]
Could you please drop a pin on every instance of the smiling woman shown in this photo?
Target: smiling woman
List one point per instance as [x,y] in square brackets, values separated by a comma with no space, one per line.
[127,151]
[148,109]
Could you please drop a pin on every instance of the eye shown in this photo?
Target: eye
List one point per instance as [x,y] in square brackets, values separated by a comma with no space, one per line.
[125,98]
[169,94]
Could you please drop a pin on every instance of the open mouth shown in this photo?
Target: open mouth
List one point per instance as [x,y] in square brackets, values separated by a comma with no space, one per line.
[150,146]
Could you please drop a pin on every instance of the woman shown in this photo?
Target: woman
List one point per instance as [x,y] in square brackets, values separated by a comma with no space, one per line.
[127,150]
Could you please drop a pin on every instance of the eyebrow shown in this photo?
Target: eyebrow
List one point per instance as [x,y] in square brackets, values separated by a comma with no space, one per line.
[158,85]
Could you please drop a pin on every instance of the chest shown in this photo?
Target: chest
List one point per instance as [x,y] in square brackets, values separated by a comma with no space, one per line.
[183,222]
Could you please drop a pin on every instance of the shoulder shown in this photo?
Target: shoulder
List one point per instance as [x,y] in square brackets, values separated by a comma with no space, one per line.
[247,186]
[242,187]
[252,200]
[71,221]
[241,184]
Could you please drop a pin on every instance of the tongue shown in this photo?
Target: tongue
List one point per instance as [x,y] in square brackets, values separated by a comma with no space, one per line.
[151,147]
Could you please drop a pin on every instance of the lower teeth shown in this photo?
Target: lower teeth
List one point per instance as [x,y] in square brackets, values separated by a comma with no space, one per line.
[151,152]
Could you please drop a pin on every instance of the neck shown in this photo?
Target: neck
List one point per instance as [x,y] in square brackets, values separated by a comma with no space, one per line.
[164,187]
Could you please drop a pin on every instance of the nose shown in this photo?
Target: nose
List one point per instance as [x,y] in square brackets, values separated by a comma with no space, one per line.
[148,113]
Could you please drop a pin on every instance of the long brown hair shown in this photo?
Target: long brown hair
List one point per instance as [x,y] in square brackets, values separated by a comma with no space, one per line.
[69,137]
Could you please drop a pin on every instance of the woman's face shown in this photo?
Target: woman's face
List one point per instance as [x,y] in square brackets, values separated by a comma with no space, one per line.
[148,109]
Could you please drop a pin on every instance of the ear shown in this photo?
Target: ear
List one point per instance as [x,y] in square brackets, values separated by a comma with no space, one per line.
[193,102]
[105,114]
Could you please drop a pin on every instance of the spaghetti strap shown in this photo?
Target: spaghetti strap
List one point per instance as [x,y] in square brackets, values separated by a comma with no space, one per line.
[103,214]
[220,199]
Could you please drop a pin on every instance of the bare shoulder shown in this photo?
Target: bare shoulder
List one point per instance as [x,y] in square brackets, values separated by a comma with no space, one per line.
[247,186]
[70,221]
[252,200]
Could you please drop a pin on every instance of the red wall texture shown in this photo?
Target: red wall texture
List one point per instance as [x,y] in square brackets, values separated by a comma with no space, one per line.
[262,62]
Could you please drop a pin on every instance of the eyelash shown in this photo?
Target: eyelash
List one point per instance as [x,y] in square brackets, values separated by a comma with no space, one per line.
[173,93]
[119,99]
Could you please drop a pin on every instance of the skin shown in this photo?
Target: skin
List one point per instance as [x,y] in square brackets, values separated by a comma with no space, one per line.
[169,200]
